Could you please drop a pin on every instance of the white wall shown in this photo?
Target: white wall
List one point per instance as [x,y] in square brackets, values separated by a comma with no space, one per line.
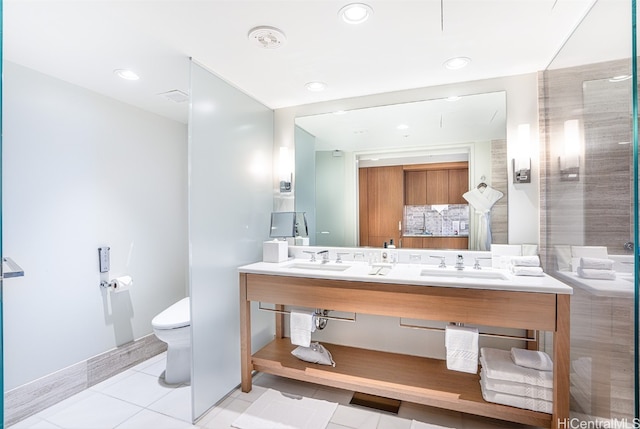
[522,107]
[82,171]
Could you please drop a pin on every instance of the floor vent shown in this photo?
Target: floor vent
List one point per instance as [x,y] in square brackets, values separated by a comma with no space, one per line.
[376,402]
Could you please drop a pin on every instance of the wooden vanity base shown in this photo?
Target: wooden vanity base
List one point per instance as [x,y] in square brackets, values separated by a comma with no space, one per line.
[407,378]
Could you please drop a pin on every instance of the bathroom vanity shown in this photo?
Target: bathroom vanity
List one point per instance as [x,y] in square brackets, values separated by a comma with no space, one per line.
[493,298]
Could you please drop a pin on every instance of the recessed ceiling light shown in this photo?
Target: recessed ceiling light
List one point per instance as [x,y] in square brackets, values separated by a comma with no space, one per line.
[624,142]
[457,63]
[454,98]
[126,74]
[403,127]
[267,37]
[620,78]
[316,86]
[340,112]
[355,13]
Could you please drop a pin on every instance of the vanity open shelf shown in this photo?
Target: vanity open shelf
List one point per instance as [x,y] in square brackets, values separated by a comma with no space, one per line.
[408,378]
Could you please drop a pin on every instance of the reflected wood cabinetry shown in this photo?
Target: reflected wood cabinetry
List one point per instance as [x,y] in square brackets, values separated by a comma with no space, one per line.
[442,183]
[384,191]
[381,204]
[457,242]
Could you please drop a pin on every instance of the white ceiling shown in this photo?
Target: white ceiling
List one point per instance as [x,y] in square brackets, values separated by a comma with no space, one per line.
[402,46]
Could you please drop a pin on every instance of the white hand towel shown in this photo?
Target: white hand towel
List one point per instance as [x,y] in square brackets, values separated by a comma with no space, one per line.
[527,271]
[516,401]
[525,261]
[519,389]
[589,273]
[596,263]
[532,359]
[302,324]
[499,365]
[462,348]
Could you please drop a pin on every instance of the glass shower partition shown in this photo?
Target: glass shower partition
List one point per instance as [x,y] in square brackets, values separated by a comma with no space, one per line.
[588,119]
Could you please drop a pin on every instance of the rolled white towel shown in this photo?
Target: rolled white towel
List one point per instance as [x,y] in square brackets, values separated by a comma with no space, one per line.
[525,261]
[596,263]
[527,271]
[590,273]
[301,325]
[531,359]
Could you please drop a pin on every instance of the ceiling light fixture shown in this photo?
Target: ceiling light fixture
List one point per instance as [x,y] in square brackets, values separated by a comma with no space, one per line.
[316,86]
[355,13]
[457,63]
[403,127]
[267,37]
[454,98]
[126,74]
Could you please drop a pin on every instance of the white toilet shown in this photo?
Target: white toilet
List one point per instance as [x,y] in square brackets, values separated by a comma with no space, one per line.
[173,326]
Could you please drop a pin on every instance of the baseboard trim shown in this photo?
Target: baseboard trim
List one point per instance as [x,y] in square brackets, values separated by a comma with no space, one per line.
[31,398]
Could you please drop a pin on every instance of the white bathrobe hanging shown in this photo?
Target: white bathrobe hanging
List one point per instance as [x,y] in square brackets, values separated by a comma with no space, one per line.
[482,201]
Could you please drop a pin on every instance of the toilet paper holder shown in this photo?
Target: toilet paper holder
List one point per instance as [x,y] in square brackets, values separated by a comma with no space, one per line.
[108,284]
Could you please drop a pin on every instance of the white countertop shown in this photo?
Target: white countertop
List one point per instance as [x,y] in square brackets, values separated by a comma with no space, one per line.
[621,287]
[412,274]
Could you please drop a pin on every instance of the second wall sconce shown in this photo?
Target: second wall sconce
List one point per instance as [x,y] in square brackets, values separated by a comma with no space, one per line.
[570,161]
[521,164]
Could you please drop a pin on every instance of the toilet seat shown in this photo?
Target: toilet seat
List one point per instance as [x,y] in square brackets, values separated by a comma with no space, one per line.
[176,316]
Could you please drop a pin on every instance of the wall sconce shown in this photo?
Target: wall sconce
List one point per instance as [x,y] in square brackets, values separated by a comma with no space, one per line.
[570,161]
[522,163]
[284,171]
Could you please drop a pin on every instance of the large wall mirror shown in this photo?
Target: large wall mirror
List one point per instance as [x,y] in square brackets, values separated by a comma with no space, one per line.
[330,147]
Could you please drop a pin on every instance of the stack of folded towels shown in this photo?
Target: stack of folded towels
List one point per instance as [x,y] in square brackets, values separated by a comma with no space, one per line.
[596,268]
[519,378]
[526,266]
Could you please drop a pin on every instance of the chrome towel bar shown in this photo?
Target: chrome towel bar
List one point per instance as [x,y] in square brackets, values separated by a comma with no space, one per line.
[482,334]
[321,315]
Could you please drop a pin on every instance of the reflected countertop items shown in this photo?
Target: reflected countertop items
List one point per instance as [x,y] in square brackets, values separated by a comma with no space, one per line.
[421,235]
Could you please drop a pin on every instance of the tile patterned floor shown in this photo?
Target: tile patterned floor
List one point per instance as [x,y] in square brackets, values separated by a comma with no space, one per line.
[139,399]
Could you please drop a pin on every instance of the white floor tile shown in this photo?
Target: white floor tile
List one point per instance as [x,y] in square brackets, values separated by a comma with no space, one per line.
[393,422]
[287,385]
[96,411]
[333,395]
[227,415]
[34,422]
[336,426]
[255,393]
[152,420]
[156,368]
[44,414]
[432,415]
[356,418]
[100,387]
[140,389]
[176,404]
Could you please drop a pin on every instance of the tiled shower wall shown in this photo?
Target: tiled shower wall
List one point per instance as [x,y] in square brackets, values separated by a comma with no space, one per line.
[595,210]
[452,219]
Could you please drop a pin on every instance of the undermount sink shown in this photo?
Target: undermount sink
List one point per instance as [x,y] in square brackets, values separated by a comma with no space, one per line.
[318,266]
[466,273]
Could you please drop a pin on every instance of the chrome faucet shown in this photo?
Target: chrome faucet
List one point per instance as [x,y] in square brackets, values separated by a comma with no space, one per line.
[313,255]
[460,263]
[339,257]
[325,256]
[442,264]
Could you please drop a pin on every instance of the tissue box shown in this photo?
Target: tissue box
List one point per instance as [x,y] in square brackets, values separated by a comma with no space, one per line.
[275,251]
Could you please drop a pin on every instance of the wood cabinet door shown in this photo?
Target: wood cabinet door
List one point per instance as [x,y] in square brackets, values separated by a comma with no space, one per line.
[412,243]
[415,188]
[458,185]
[363,204]
[437,187]
[385,202]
